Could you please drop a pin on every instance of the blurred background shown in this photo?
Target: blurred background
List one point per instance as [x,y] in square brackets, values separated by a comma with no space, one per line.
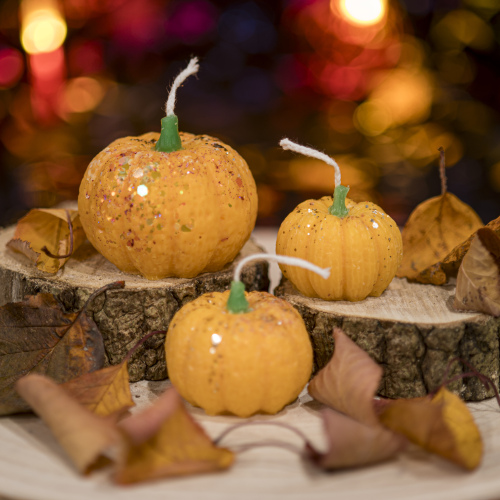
[379,85]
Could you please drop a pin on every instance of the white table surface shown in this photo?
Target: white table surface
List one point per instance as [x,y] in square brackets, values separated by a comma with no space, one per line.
[33,467]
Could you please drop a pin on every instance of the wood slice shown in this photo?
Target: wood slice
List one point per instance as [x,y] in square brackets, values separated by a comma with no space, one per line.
[411,330]
[123,316]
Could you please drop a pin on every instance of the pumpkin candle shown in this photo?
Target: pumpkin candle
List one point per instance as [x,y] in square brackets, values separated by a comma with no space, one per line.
[169,205]
[359,241]
[240,353]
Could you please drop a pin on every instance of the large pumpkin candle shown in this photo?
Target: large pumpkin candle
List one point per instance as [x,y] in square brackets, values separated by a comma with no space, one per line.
[240,353]
[169,205]
[359,241]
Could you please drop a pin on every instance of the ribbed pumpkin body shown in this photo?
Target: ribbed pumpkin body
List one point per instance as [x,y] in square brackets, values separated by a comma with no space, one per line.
[168,214]
[241,364]
[363,249]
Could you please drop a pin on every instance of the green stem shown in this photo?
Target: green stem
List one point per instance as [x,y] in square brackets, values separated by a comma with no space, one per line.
[169,137]
[338,208]
[237,302]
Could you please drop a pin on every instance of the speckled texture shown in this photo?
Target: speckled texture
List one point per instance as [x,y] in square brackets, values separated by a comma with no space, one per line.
[123,316]
[363,249]
[168,214]
[414,355]
[244,363]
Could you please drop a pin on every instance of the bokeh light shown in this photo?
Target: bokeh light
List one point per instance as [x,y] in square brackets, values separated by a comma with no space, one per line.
[11,67]
[81,94]
[43,27]
[378,85]
[364,12]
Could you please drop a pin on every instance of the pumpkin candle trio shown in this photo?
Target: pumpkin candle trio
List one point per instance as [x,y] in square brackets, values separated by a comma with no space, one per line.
[177,205]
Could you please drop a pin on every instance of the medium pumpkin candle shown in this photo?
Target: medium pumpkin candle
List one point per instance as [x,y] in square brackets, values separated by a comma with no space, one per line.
[359,242]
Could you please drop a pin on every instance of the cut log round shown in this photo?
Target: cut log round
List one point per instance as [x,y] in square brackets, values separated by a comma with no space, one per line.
[411,330]
[123,316]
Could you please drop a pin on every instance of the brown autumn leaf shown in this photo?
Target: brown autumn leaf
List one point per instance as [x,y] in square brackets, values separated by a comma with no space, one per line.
[88,440]
[38,336]
[353,444]
[439,273]
[432,231]
[103,392]
[349,381]
[48,228]
[442,425]
[478,280]
[164,441]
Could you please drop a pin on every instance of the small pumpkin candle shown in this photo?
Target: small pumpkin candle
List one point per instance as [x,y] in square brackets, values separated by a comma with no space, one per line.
[240,353]
[169,204]
[359,241]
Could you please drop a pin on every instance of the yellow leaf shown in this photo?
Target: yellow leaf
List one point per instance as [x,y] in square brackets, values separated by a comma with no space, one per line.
[103,392]
[47,228]
[433,229]
[442,425]
[86,438]
[164,440]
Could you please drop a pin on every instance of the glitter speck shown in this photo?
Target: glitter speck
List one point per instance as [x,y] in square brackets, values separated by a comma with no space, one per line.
[216,339]
[212,350]
[142,190]
[87,195]
[138,173]
[181,192]
[374,224]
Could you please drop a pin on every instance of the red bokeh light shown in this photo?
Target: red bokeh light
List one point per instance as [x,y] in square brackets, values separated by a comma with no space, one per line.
[11,67]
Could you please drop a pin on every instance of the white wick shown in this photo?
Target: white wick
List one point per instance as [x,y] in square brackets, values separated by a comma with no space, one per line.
[282,259]
[191,69]
[288,144]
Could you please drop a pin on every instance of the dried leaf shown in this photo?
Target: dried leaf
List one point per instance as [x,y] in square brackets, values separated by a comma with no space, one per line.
[38,336]
[349,381]
[353,444]
[442,425]
[439,273]
[164,440]
[433,229]
[47,228]
[478,280]
[86,438]
[103,392]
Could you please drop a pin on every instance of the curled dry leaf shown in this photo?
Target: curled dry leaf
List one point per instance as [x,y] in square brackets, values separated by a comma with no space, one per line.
[349,381]
[164,440]
[439,273]
[103,392]
[442,425]
[38,336]
[478,280]
[433,229]
[87,439]
[353,444]
[47,228]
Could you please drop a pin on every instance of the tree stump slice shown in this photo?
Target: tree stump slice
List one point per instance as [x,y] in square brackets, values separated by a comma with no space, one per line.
[412,331]
[123,316]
